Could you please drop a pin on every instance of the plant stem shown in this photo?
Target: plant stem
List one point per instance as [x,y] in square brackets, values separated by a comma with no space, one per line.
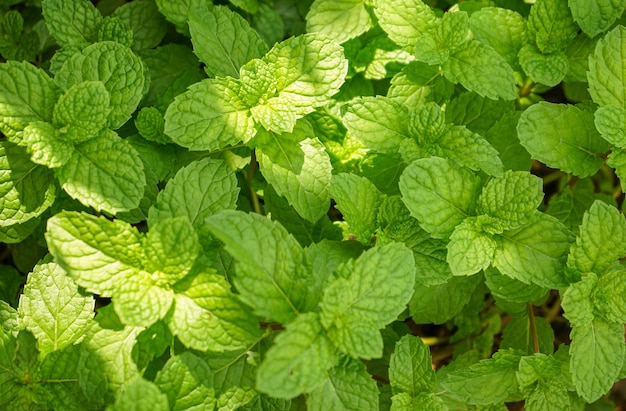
[533,327]
[256,205]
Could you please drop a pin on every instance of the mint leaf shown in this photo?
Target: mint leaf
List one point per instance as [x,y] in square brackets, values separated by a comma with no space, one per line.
[115,29]
[187,382]
[210,115]
[27,94]
[139,393]
[45,146]
[439,193]
[596,357]
[59,374]
[611,123]
[423,401]
[596,17]
[178,13]
[487,382]
[377,122]
[479,68]
[369,294]
[410,367]
[270,276]
[419,82]
[605,65]
[545,68]
[470,149]
[500,28]
[348,385]
[71,22]
[404,20]
[551,25]
[561,136]
[470,249]
[298,360]
[509,289]
[340,21]
[223,40]
[542,383]
[147,24]
[518,334]
[117,67]
[578,301]
[53,309]
[608,296]
[298,167]
[535,253]
[600,241]
[358,199]
[105,173]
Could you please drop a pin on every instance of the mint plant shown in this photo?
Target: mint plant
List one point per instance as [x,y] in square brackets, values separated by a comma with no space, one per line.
[321,205]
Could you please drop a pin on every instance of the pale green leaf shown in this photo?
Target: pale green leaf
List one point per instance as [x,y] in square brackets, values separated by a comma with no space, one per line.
[470,149]
[543,384]
[578,53]
[578,304]
[270,273]
[187,381]
[105,173]
[372,294]
[82,111]
[210,115]
[339,20]
[611,123]
[348,387]
[115,65]
[359,200]
[139,394]
[509,289]
[115,29]
[207,316]
[46,145]
[487,382]
[97,253]
[141,299]
[148,25]
[298,361]
[601,240]
[609,296]
[503,137]
[500,28]
[479,68]
[71,22]
[377,122]
[223,40]
[27,94]
[427,123]
[562,136]
[298,168]
[405,20]
[596,357]
[594,17]
[520,332]
[150,125]
[551,25]
[53,309]
[439,193]
[410,367]
[536,252]
[470,249]
[418,83]
[617,160]
[178,12]
[606,69]
[544,68]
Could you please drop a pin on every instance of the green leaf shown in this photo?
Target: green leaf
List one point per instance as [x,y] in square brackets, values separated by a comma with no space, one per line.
[436,304]
[551,25]
[470,149]
[544,68]
[470,249]
[542,383]
[561,136]
[82,111]
[519,333]
[377,122]
[115,29]
[115,65]
[509,289]
[298,168]
[359,201]
[187,381]
[617,160]
[503,137]
[370,294]
[500,28]
[298,360]
[148,25]
[26,189]
[210,115]
[439,193]
[348,386]
[601,241]
[410,367]
[511,199]
[103,253]
[606,66]
[479,68]
[138,393]
[178,12]
[405,20]
[71,22]
[610,121]
[105,173]
[59,373]
[418,83]
[578,301]
[46,148]
[536,252]
[596,357]
[270,273]
[595,17]
[27,94]
[339,20]
[223,40]
[53,309]
[423,401]
[487,382]
[608,296]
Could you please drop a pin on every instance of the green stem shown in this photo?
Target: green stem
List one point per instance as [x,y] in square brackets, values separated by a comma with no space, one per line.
[533,327]
[256,205]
